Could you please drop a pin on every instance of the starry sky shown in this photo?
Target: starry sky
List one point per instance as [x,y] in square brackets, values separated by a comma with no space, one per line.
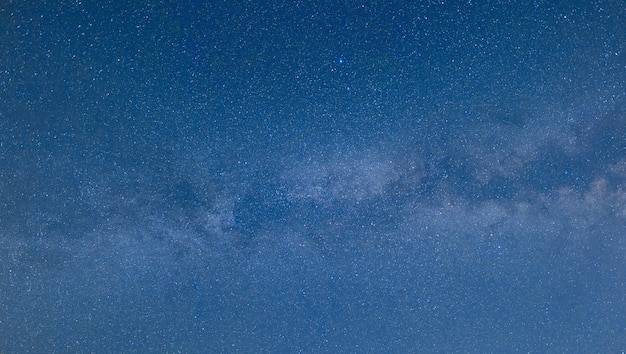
[311,176]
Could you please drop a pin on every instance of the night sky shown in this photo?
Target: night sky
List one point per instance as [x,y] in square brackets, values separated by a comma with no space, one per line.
[342,176]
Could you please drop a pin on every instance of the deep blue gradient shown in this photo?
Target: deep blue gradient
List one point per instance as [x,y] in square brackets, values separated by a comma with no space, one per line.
[297,177]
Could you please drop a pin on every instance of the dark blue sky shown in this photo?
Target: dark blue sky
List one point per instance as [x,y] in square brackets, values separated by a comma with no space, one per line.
[436,176]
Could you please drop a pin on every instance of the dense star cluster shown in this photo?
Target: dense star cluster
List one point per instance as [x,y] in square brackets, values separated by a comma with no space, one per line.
[196,176]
